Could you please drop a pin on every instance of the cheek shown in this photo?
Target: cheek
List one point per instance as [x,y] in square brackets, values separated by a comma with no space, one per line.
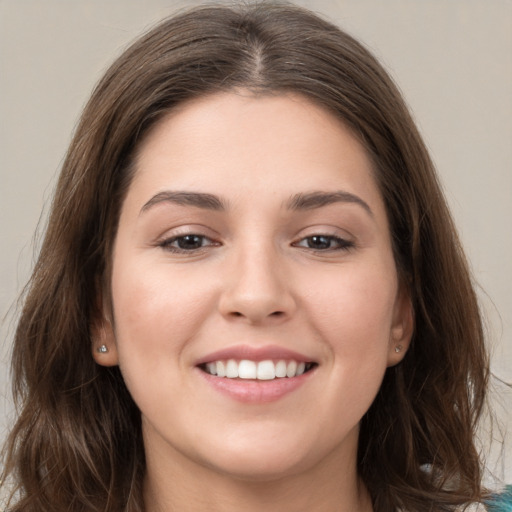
[354,308]
[353,315]
[156,315]
[156,312]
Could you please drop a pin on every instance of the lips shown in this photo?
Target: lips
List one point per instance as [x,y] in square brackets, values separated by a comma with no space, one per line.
[259,374]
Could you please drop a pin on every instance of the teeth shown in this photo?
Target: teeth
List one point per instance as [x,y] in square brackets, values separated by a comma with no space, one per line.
[262,370]
[247,369]
[291,369]
[232,369]
[281,369]
[221,369]
[211,368]
[266,370]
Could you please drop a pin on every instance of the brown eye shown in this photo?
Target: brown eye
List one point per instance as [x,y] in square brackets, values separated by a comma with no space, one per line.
[319,242]
[186,243]
[189,242]
[324,243]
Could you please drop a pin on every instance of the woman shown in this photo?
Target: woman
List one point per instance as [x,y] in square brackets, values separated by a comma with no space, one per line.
[249,238]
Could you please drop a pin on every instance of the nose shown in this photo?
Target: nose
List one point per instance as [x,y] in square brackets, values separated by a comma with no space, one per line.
[257,288]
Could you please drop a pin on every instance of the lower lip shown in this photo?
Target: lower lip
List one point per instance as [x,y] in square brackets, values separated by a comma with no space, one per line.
[256,391]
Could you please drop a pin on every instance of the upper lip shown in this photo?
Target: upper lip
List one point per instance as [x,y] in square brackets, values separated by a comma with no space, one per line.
[251,353]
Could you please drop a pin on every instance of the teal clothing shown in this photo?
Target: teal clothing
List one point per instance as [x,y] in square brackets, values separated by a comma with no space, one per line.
[501,502]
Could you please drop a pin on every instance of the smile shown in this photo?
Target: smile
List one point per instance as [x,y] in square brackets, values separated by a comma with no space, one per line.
[257,370]
[256,374]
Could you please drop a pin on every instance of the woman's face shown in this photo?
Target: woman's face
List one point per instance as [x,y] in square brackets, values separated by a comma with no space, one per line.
[253,241]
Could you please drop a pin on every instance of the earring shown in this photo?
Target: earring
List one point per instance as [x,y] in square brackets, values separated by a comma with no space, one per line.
[102,349]
[398,348]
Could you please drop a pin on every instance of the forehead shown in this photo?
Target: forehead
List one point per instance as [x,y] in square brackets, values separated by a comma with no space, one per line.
[239,144]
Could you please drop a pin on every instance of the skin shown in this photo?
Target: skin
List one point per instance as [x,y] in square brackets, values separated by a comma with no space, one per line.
[255,277]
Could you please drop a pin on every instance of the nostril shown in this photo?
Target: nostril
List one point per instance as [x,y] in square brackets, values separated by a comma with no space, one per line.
[275,314]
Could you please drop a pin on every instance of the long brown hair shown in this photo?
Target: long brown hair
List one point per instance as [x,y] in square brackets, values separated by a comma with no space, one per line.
[77,444]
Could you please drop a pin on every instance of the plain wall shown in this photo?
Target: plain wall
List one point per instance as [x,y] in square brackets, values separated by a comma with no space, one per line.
[451,58]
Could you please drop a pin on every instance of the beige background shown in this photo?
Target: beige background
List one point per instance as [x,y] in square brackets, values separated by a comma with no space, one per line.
[451,58]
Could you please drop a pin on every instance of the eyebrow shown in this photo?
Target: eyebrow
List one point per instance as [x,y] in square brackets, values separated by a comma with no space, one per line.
[301,201]
[197,199]
[312,200]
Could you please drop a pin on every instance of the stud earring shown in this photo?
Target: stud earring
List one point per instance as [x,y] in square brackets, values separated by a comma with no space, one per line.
[398,348]
[102,349]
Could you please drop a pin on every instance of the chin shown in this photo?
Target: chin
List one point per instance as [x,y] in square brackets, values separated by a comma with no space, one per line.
[263,459]
[260,469]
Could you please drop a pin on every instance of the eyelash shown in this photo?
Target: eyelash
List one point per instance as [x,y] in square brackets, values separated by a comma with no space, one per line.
[340,243]
[167,243]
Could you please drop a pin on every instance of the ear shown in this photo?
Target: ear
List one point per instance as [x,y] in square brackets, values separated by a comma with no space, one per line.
[103,340]
[402,327]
